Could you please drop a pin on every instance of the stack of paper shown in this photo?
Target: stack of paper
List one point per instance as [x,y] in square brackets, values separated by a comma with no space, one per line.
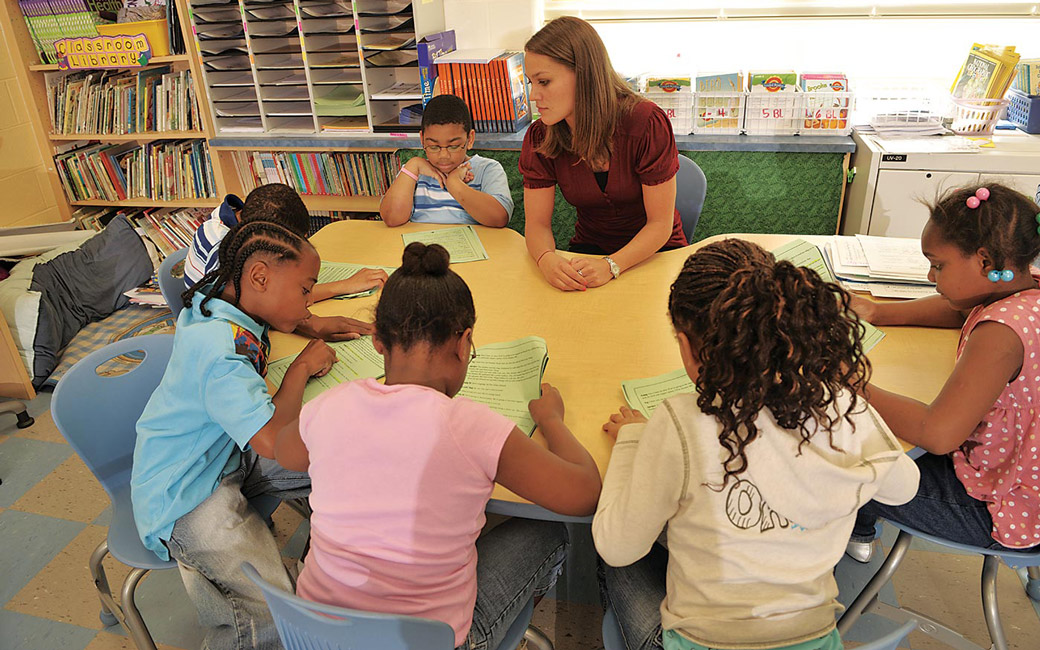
[355,359]
[886,267]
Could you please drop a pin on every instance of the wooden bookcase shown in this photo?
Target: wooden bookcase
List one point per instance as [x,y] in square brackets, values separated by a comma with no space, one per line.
[32,85]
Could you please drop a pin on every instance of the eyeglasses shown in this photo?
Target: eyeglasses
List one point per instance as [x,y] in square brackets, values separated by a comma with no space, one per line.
[452,148]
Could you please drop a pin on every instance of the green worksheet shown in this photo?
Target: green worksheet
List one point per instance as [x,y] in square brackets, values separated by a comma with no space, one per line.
[506,376]
[462,243]
[355,359]
[644,395]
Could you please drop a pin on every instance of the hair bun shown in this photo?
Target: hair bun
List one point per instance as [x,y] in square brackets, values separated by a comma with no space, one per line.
[420,259]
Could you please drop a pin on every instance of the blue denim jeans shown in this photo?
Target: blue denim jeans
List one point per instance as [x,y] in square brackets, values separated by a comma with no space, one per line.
[636,592]
[517,560]
[942,507]
[212,541]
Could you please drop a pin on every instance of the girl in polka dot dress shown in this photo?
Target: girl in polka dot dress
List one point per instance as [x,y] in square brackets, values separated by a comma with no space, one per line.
[980,480]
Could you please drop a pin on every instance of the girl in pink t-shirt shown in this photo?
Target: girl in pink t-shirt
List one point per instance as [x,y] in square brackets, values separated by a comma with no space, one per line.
[402,471]
[980,481]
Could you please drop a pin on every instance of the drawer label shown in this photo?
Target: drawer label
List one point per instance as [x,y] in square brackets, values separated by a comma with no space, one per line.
[893,157]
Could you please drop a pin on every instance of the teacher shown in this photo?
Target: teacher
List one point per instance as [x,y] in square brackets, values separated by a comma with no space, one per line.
[611,152]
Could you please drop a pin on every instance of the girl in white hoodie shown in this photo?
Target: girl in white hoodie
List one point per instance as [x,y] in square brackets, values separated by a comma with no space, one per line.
[755,478]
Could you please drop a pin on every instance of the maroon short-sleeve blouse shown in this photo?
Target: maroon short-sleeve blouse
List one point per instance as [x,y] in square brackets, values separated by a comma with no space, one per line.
[644,154]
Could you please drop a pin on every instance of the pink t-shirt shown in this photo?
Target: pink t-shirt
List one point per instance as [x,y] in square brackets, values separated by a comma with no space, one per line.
[999,463]
[401,476]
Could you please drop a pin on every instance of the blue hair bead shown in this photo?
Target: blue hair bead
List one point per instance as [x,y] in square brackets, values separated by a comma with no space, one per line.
[994,276]
[1007,275]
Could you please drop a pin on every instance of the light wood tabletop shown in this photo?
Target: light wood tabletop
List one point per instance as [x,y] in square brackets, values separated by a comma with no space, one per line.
[598,337]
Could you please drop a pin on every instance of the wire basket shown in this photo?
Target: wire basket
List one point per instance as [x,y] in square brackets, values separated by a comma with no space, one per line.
[778,113]
[827,113]
[678,106]
[976,116]
[721,113]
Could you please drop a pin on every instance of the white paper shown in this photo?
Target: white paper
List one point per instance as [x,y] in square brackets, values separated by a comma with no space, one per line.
[904,291]
[895,258]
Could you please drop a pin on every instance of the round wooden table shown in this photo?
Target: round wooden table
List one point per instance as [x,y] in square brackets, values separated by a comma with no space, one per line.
[598,337]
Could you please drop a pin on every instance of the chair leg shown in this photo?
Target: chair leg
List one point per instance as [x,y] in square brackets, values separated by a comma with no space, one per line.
[989,602]
[536,639]
[97,571]
[133,622]
[870,593]
[1033,584]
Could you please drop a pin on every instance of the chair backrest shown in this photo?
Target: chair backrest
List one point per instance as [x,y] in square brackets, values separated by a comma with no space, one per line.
[306,625]
[690,189]
[170,285]
[98,414]
[891,640]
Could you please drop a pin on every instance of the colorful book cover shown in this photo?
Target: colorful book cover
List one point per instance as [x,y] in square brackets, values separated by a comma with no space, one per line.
[520,107]
[977,76]
[824,82]
[429,48]
[773,82]
[731,82]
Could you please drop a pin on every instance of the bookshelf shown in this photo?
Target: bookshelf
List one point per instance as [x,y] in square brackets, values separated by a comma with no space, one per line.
[31,78]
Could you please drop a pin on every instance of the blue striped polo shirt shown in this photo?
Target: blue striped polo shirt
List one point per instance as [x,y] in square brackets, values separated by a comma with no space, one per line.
[434,204]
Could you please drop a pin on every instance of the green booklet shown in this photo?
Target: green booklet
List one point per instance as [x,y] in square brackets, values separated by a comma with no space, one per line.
[506,376]
[462,243]
[336,271]
[355,359]
[645,394]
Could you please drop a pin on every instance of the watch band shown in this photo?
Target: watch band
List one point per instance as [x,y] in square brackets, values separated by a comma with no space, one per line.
[615,270]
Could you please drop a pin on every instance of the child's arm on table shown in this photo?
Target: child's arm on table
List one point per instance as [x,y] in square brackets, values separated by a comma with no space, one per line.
[482,206]
[992,357]
[932,311]
[315,360]
[363,280]
[562,478]
[642,489]
[396,207]
[334,328]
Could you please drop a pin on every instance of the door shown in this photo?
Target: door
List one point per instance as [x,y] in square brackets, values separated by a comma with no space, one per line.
[900,198]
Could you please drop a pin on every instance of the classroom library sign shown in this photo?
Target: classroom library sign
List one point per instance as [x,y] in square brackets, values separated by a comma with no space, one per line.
[103,52]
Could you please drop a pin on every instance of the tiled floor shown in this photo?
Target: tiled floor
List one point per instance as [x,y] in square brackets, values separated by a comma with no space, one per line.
[53,513]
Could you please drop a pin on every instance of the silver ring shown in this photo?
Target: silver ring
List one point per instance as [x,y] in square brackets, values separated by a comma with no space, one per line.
[580,273]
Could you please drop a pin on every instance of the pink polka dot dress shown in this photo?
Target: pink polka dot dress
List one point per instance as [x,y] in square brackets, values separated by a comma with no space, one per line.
[1000,463]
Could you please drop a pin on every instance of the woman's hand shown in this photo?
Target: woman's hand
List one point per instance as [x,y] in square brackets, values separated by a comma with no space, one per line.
[595,270]
[558,272]
[620,419]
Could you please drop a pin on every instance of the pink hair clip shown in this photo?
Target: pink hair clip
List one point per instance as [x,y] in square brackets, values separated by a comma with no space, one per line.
[981,194]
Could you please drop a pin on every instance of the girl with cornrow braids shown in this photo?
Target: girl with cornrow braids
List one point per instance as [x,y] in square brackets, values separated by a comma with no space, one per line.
[205,441]
[757,476]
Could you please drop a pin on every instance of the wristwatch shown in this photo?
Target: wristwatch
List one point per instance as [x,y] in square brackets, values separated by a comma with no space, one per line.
[615,270]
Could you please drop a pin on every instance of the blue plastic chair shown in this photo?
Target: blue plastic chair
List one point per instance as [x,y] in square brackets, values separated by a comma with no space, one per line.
[306,625]
[98,415]
[690,189]
[868,598]
[612,639]
[172,286]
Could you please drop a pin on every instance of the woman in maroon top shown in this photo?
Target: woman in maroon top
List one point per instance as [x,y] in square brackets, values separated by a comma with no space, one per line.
[612,154]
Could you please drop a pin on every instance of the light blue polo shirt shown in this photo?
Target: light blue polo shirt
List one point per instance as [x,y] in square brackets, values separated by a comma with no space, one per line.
[434,204]
[210,403]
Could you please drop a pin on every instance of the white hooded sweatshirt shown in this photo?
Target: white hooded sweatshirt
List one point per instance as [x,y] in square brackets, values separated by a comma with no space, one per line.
[750,564]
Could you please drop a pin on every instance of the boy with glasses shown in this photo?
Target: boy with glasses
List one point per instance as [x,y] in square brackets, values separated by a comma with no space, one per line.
[447,186]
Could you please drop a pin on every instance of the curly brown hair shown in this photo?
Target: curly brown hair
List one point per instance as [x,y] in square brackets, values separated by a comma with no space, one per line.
[767,335]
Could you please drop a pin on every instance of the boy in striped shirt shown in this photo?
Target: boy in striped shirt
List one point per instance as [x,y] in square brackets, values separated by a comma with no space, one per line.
[447,186]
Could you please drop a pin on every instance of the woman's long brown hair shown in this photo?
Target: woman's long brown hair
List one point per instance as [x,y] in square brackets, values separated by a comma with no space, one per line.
[601,95]
[768,335]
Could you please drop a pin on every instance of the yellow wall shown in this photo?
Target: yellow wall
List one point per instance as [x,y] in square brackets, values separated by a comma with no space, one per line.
[25,194]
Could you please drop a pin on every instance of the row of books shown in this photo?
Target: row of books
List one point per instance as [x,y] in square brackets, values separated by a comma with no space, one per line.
[52,20]
[160,171]
[116,102]
[1027,80]
[322,172]
[492,85]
